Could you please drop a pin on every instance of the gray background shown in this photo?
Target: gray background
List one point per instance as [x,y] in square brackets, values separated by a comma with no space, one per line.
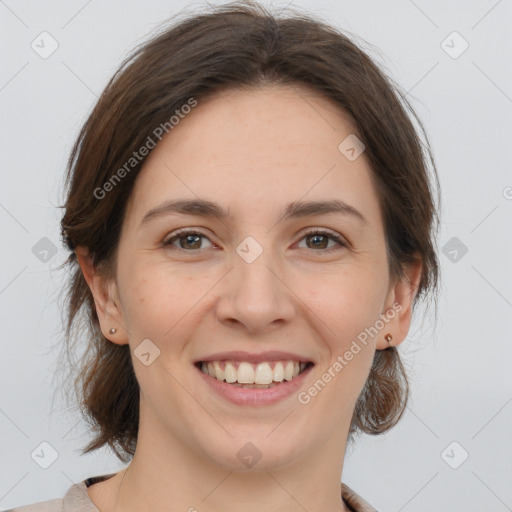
[459,368]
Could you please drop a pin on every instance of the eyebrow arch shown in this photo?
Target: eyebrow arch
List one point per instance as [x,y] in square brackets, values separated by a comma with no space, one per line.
[203,208]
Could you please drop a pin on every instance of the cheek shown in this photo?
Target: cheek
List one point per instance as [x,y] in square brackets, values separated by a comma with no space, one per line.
[350,314]
[349,300]
[349,307]
[162,301]
[154,299]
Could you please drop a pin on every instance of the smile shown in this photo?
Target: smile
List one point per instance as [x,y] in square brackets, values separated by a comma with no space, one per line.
[262,375]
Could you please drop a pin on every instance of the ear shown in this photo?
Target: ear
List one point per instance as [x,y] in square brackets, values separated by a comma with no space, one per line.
[400,301]
[104,291]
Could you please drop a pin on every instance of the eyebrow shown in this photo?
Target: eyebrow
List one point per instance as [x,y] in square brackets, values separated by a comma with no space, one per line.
[296,209]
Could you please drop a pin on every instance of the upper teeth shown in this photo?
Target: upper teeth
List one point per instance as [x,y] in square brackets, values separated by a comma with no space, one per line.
[248,373]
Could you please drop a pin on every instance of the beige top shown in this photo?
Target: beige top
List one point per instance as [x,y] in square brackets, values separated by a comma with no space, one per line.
[76,499]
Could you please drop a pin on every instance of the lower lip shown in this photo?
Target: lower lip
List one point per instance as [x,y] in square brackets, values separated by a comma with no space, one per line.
[255,396]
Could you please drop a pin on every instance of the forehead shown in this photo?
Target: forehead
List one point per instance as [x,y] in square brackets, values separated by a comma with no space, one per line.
[254,150]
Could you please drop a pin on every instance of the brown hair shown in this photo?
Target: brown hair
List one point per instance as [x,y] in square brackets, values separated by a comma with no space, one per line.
[237,45]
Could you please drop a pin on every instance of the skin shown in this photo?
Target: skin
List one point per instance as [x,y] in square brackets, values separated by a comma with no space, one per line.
[252,152]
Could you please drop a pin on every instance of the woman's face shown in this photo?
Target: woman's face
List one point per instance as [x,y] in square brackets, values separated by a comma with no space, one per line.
[254,281]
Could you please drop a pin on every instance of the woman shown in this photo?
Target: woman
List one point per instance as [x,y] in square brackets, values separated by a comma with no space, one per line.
[251,223]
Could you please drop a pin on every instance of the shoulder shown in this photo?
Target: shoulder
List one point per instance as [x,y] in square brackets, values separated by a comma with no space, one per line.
[76,499]
[354,501]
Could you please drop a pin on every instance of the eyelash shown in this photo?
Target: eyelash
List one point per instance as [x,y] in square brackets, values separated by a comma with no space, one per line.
[187,231]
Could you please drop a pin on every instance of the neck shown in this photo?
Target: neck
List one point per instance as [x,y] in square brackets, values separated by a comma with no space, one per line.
[201,489]
[165,473]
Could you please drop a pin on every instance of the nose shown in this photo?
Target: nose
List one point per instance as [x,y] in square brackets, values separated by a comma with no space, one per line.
[256,295]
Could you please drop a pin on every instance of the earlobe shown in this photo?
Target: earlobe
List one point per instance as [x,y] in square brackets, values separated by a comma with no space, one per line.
[400,306]
[104,291]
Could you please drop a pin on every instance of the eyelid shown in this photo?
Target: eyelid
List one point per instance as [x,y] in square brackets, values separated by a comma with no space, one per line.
[337,237]
[333,235]
[182,232]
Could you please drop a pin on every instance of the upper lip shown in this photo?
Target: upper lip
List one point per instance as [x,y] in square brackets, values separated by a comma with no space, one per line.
[240,355]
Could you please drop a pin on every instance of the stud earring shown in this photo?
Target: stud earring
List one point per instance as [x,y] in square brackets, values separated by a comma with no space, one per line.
[388,338]
[113,330]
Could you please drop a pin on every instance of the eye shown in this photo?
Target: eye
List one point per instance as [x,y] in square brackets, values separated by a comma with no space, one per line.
[187,239]
[190,239]
[320,240]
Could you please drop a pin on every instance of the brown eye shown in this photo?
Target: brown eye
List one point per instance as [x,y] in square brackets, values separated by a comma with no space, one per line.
[187,240]
[318,240]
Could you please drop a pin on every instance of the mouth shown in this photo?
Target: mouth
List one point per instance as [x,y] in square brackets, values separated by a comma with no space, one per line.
[250,375]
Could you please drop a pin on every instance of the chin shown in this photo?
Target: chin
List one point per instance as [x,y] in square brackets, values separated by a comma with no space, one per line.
[255,451]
